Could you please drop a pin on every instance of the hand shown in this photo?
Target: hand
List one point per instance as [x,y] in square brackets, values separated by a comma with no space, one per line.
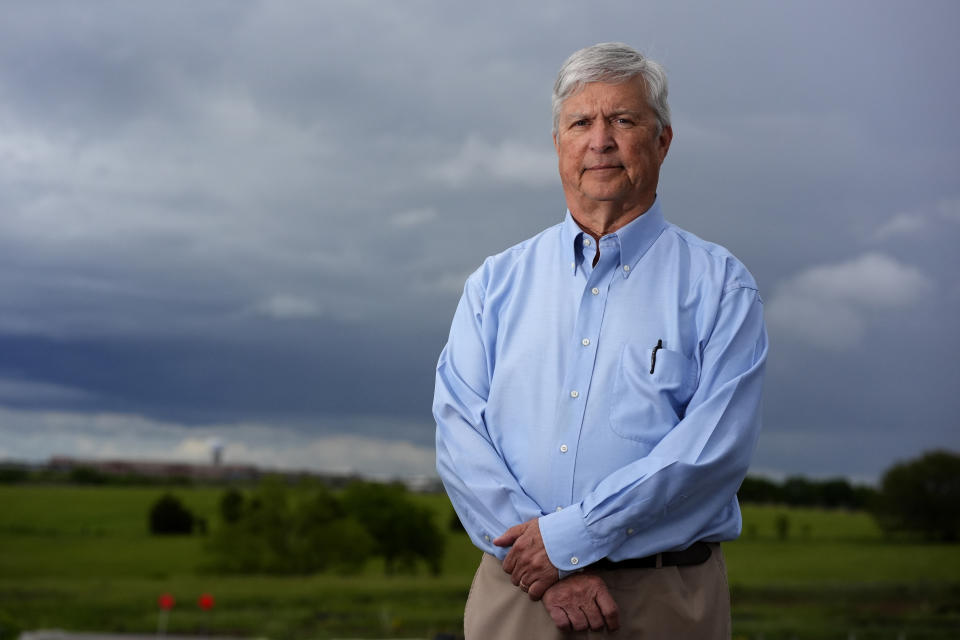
[582,601]
[527,562]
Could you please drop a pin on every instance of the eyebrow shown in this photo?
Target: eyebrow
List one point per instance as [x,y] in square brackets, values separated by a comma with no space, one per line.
[573,117]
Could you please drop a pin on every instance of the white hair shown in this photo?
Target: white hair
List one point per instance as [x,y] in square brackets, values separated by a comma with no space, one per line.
[612,62]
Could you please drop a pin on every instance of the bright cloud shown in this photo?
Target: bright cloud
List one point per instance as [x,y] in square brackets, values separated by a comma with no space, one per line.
[916,221]
[413,218]
[286,306]
[506,162]
[829,305]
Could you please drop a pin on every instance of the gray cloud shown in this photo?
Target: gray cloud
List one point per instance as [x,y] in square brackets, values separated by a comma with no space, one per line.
[262,213]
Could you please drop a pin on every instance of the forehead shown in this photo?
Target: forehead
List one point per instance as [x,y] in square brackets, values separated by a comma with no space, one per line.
[629,95]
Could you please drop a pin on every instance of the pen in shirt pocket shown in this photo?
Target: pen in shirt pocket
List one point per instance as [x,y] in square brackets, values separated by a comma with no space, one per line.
[653,355]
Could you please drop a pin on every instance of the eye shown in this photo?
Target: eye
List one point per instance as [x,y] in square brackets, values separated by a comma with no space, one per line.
[582,122]
[623,122]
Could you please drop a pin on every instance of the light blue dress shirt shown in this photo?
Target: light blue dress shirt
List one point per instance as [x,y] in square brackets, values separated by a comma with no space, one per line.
[550,403]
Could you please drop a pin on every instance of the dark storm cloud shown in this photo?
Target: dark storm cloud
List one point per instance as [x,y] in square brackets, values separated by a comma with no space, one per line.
[256,217]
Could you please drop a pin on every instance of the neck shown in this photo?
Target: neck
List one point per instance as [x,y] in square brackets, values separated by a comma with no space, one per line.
[599,218]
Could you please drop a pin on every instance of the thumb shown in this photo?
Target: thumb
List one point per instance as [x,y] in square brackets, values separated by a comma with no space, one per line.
[509,536]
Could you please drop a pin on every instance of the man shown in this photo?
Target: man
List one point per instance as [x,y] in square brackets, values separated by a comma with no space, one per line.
[597,403]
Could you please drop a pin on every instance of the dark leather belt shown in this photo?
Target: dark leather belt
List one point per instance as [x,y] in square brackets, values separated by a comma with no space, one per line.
[697,553]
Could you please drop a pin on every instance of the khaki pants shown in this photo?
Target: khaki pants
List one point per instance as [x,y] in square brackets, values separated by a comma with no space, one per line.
[669,603]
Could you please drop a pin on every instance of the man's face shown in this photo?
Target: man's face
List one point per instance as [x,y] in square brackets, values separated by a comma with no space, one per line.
[608,146]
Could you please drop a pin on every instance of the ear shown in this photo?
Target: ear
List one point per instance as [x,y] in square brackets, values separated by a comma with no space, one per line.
[556,145]
[664,140]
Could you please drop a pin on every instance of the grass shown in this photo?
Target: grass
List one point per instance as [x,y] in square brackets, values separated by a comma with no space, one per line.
[80,558]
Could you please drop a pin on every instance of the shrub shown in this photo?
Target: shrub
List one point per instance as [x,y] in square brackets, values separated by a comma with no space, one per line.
[11,475]
[782,525]
[168,516]
[9,629]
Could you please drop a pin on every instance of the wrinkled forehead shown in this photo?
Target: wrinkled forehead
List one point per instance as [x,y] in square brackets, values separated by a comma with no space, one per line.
[629,94]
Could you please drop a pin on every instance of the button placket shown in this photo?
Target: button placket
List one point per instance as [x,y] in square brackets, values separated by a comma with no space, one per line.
[582,361]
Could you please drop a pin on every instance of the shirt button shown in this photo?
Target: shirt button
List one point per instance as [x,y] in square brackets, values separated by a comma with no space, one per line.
[574,560]
[586,242]
[487,538]
[559,508]
[626,267]
[563,448]
[629,532]
[574,394]
[595,291]
[585,342]
[573,265]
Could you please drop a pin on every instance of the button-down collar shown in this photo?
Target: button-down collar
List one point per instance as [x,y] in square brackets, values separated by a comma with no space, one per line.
[634,239]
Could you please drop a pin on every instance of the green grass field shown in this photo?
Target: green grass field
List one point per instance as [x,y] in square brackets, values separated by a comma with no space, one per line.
[80,558]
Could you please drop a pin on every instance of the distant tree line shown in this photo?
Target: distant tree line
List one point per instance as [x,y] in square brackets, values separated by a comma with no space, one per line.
[83,475]
[797,491]
[19,473]
[919,497]
[274,529]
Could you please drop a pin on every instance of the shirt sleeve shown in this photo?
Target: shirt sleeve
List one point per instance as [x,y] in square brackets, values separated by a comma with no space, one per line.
[670,497]
[485,494]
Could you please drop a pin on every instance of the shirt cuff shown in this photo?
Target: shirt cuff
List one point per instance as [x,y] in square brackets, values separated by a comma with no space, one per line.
[567,541]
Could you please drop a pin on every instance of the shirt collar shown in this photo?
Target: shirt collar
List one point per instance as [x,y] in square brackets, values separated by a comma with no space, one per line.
[635,238]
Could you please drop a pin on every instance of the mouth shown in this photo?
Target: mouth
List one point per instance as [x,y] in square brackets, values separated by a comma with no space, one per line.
[604,167]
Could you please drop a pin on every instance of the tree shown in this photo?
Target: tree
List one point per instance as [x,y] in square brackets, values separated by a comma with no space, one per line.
[455,524]
[782,524]
[325,536]
[231,506]
[798,491]
[836,492]
[280,531]
[922,496]
[168,516]
[759,491]
[402,530]
[87,475]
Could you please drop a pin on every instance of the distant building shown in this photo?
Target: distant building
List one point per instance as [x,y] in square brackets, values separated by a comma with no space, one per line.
[214,472]
[153,469]
[216,451]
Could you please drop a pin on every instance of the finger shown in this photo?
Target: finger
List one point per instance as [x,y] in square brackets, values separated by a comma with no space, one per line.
[537,589]
[559,617]
[510,562]
[592,613]
[577,620]
[609,609]
[505,540]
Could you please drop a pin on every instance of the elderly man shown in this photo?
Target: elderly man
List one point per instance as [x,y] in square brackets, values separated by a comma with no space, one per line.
[597,403]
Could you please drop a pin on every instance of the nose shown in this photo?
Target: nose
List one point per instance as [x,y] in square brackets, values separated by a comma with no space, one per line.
[601,137]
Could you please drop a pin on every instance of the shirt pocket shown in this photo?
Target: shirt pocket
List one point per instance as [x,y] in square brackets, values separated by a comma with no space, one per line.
[646,406]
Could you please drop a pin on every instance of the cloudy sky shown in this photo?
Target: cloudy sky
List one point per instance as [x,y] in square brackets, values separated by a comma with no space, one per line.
[252,220]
